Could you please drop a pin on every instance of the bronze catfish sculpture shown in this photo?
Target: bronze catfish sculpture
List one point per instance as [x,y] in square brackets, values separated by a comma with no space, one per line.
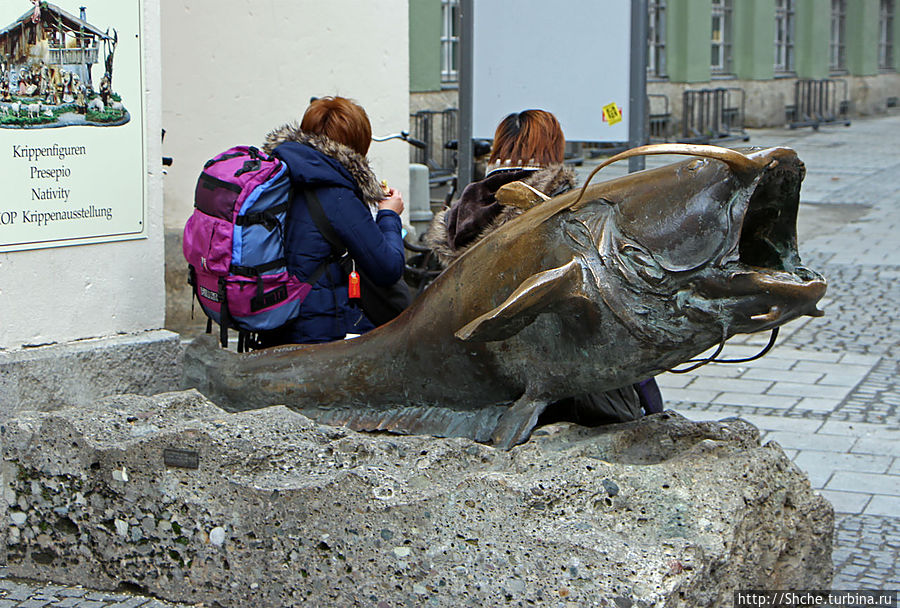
[585,292]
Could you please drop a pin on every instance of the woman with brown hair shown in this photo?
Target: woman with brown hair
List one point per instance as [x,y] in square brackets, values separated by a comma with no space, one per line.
[529,147]
[337,202]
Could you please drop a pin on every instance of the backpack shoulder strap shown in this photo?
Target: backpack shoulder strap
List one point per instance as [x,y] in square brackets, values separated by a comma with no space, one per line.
[321,220]
[338,250]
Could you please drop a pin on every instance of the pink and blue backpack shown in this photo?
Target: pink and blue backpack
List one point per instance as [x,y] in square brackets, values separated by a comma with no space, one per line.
[234,245]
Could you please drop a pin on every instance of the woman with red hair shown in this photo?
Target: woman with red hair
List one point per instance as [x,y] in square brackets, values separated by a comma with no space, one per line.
[326,157]
[528,147]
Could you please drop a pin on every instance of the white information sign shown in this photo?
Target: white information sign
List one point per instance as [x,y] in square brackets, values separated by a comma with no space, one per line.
[570,57]
[72,155]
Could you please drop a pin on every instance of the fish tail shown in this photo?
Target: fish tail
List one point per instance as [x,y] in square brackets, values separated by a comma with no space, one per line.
[205,365]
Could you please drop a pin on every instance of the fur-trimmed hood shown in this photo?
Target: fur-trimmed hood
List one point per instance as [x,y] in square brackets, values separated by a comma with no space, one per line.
[356,164]
[477,212]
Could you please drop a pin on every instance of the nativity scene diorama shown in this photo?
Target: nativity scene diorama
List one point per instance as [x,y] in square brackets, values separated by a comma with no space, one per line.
[46,60]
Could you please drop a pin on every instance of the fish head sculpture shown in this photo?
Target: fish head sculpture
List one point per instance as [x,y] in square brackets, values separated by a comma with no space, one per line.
[709,241]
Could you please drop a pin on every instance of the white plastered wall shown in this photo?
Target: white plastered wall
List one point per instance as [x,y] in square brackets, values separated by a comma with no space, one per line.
[235,70]
[68,293]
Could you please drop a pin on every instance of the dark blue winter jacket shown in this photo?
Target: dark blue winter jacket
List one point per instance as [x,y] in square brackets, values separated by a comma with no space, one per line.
[374,243]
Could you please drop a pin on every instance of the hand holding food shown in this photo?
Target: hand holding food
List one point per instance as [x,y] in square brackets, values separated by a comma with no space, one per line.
[394,200]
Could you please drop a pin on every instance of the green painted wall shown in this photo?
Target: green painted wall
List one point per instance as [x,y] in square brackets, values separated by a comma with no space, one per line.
[896,64]
[812,38]
[424,45]
[753,28]
[688,40]
[862,37]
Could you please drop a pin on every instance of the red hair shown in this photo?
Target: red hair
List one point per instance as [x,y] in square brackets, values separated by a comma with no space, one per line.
[340,119]
[529,137]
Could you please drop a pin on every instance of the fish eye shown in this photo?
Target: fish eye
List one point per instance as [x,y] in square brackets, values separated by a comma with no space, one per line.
[695,164]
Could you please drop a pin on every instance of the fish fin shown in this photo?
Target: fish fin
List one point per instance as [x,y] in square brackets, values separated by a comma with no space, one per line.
[529,299]
[520,194]
[517,423]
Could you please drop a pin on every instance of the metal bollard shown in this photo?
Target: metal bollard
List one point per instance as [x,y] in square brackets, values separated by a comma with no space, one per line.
[420,214]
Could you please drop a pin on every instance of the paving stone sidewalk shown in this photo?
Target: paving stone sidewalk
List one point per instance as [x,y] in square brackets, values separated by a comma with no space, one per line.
[829,392]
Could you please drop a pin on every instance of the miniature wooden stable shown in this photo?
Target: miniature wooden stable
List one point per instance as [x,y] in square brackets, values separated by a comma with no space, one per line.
[57,38]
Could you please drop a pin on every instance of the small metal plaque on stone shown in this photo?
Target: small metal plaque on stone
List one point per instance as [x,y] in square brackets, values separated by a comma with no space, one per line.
[184,459]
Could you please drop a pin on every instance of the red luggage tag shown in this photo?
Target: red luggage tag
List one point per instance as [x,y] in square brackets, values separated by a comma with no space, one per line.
[353,284]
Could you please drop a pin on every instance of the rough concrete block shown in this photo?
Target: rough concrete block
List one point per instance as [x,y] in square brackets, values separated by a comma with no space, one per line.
[79,373]
[175,496]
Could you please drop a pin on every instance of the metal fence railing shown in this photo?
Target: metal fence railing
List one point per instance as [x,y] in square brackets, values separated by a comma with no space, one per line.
[712,114]
[435,128]
[659,118]
[818,102]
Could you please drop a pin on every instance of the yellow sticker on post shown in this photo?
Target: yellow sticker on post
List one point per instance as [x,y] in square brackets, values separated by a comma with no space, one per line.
[612,113]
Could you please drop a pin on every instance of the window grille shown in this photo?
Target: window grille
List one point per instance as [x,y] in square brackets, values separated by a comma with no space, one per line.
[720,59]
[450,41]
[838,49]
[784,36]
[886,36]
[656,39]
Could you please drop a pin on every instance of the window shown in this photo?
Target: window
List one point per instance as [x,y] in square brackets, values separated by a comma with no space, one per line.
[656,39]
[450,41]
[784,36]
[838,50]
[720,60]
[886,36]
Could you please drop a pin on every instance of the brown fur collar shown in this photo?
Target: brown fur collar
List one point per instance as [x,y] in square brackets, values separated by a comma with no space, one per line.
[356,164]
[551,181]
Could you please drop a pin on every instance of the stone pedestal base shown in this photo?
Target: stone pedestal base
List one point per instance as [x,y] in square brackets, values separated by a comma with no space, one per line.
[267,508]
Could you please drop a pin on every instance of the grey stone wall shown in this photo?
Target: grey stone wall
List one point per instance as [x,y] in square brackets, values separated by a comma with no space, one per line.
[183,314]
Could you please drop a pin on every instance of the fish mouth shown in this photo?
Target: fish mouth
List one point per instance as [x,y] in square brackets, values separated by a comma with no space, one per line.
[764,270]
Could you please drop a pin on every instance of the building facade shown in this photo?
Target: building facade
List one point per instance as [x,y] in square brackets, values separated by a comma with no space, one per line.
[764,53]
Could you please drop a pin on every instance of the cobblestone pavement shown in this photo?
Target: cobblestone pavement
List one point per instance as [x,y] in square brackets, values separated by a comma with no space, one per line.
[829,392]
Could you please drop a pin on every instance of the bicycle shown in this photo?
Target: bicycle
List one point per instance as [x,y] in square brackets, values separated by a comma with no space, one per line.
[421,266]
